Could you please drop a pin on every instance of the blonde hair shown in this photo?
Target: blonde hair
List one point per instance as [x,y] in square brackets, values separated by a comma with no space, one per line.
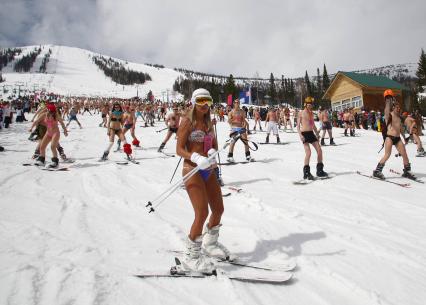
[207,120]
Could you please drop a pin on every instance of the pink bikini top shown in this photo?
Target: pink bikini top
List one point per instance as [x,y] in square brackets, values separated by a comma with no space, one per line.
[51,123]
[199,136]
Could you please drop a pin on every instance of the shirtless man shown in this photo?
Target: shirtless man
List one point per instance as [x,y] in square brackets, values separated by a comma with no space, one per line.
[104,113]
[73,117]
[305,128]
[346,121]
[326,126]
[351,118]
[237,120]
[172,121]
[393,124]
[412,128]
[287,119]
[271,119]
[257,119]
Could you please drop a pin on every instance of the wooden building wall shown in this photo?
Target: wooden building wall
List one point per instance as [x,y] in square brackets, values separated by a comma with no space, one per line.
[374,100]
[344,89]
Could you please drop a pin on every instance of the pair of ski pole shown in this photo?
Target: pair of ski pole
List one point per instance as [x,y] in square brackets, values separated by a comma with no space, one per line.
[156,202]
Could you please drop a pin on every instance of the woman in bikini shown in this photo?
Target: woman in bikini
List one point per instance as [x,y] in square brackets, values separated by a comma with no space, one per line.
[195,139]
[130,124]
[50,118]
[115,121]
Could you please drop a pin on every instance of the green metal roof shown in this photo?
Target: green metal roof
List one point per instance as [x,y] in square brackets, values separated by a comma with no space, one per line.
[371,80]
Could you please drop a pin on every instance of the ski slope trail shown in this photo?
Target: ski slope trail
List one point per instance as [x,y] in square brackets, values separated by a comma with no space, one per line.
[78,237]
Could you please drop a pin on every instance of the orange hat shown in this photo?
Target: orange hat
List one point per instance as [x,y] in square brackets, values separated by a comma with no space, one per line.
[309,100]
[405,114]
[388,92]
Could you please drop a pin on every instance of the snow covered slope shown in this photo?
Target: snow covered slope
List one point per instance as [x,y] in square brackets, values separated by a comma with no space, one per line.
[77,237]
[70,71]
[393,71]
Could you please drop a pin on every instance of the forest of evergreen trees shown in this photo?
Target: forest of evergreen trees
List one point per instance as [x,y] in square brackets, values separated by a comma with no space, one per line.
[263,91]
[155,66]
[25,63]
[118,73]
[7,55]
[44,62]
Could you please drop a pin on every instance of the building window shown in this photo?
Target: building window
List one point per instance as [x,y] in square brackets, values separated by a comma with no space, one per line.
[357,102]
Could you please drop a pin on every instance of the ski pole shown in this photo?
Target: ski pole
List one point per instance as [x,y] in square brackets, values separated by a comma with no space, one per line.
[162,129]
[152,205]
[175,170]
[215,134]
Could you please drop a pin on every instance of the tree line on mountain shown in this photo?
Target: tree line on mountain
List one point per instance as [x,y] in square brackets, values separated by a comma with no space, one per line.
[262,91]
[25,63]
[118,73]
[8,55]
[44,62]
[156,66]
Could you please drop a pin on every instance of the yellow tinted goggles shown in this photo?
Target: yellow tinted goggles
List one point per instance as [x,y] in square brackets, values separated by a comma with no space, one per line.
[203,101]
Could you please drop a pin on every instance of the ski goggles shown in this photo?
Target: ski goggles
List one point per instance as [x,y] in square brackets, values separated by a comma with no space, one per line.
[203,101]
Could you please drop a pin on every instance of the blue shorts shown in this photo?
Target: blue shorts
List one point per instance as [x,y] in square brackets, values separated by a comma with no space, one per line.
[239,130]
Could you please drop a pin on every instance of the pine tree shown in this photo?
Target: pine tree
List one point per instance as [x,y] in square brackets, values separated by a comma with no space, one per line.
[421,72]
[230,87]
[319,83]
[292,91]
[272,90]
[283,92]
[308,84]
[325,79]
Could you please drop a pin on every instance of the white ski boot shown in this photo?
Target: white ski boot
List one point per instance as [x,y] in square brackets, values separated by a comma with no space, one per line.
[230,160]
[212,248]
[194,260]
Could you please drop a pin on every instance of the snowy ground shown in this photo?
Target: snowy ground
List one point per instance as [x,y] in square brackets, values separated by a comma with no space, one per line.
[77,237]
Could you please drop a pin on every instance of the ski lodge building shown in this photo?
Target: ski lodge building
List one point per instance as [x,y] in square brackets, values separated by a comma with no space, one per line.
[364,91]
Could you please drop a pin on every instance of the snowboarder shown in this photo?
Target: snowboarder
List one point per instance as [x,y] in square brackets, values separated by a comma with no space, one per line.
[305,128]
[51,117]
[326,126]
[271,119]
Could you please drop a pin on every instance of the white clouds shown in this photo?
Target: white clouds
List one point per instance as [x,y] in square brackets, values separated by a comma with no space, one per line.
[238,37]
